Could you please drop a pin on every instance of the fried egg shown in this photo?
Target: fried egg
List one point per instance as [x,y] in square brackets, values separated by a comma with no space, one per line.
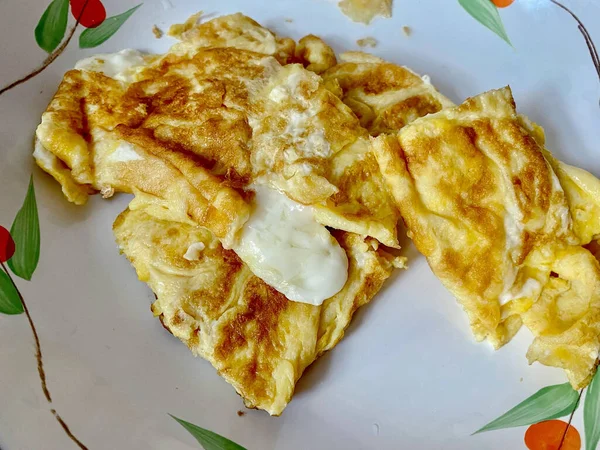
[257,204]
[384,96]
[203,123]
[258,340]
[500,228]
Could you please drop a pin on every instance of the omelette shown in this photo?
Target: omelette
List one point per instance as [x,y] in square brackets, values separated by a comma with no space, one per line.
[384,96]
[254,218]
[455,223]
[256,338]
[365,11]
[230,116]
[503,225]
[268,179]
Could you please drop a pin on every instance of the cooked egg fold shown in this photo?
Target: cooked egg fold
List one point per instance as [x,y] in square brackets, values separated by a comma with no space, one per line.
[284,246]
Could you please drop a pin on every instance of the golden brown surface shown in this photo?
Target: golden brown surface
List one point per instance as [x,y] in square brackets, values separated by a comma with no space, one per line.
[92,115]
[384,96]
[232,31]
[314,54]
[511,231]
[362,204]
[188,133]
[259,341]
[581,188]
[218,107]
[485,207]
[366,10]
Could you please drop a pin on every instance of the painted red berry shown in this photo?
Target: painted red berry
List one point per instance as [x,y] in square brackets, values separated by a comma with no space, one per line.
[7,245]
[93,15]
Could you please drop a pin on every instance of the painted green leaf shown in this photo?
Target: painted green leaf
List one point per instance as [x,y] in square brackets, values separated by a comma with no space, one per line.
[25,231]
[51,28]
[486,13]
[92,37]
[548,403]
[591,414]
[207,439]
[10,302]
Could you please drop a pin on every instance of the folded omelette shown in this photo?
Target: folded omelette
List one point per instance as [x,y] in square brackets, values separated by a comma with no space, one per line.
[504,226]
[217,114]
[256,338]
[225,132]
[233,116]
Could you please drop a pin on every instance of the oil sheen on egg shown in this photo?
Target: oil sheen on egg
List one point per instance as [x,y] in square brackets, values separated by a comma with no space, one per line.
[284,246]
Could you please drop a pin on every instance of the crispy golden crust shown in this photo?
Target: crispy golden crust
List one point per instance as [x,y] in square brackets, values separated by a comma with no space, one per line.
[84,100]
[211,202]
[191,131]
[308,144]
[259,341]
[236,114]
[202,104]
[233,31]
[484,206]
[362,203]
[84,127]
[384,96]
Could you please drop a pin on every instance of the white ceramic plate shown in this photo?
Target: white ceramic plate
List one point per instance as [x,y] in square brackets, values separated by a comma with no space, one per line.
[407,375]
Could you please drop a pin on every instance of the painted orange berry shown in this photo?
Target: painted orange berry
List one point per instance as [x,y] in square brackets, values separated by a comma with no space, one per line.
[502,3]
[547,436]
